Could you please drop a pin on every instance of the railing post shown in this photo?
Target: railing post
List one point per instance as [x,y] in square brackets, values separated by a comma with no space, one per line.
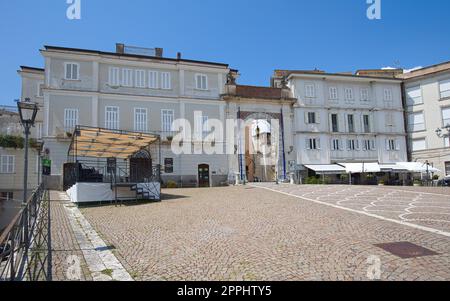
[13,246]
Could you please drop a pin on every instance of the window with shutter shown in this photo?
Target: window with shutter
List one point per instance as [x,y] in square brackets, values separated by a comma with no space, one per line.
[140,78]
[114,76]
[201,82]
[166,81]
[444,88]
[414,96]
[7,164]
[71,71]
[127,77]
[140,120]
[153,79]
[112,118]
[70,120]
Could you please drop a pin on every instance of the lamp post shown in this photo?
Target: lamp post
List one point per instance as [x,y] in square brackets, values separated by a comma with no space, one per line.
[440,132]
[27,113]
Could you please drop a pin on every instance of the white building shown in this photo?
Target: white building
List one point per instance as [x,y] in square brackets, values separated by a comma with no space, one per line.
[427,103]
[346,118]
[132,89]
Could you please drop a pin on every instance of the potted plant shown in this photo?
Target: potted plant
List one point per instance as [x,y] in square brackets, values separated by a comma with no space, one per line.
[417,183]
[381,182]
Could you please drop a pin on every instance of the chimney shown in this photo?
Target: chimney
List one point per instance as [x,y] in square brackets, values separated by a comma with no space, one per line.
[158,52]
[178,55]
[120,48]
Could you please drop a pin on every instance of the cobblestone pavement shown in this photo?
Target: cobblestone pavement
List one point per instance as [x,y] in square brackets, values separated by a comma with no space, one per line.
[424,207]
[64,243]
[89,258]
[248,233]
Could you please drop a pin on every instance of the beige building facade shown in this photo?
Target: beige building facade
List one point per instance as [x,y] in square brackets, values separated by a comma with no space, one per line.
[427,105]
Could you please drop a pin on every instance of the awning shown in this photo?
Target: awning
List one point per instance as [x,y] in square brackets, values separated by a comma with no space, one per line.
[393,168]
[103,143]
[361,167]
[331,169]
[418,167]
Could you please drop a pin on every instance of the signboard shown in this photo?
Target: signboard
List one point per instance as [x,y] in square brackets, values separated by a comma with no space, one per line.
[168,165]
[46,167]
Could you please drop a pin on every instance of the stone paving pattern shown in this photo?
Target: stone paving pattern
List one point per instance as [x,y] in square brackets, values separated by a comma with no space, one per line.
[248,233]
[64,243]
[421,206]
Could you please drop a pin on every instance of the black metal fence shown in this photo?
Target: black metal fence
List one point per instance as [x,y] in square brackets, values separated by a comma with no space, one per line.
[25,245]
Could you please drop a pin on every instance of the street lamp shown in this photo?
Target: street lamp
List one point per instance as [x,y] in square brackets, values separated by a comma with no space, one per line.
[27,113]
[440,132]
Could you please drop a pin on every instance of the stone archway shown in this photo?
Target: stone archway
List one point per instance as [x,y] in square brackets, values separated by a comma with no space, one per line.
[260,146]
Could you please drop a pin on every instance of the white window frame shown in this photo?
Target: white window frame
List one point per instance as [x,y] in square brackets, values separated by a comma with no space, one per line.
[310,91]
[352,144]
[416,127]
[388,95]
[411,100]
[369,123]
[141,120]
[7,164]
[369,145]
[153,79]
[201,82]
[444,94]
[445,121]
[337,123]
[349,95]
[313,144]
[71,119]
[166,80]
[333,93]
[127,77]
[109,112]
[424,140]
[391,145]
[336,144]
[39,130]
[114,76]
[40,87]
[77,75]
[313,116]
[365,94]
[353,123]
[165,115]
[140,80]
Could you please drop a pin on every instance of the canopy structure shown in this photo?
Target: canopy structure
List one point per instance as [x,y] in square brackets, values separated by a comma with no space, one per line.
[104,143]
[417,167]
[361,167]
[394,168]
[331,169]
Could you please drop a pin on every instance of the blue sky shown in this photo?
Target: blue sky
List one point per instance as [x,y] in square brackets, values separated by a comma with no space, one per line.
[254,36]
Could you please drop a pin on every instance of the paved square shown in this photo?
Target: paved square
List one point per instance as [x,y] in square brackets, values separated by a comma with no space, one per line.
[252,233]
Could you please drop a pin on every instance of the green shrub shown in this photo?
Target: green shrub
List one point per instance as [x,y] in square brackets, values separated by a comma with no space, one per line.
[172,184]
[8,141]
[312,181]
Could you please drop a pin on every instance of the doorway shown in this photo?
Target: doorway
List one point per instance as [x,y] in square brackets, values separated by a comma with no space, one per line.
[203,176]
[141,167]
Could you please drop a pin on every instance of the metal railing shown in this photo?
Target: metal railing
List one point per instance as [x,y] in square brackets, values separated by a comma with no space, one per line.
[25,245]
